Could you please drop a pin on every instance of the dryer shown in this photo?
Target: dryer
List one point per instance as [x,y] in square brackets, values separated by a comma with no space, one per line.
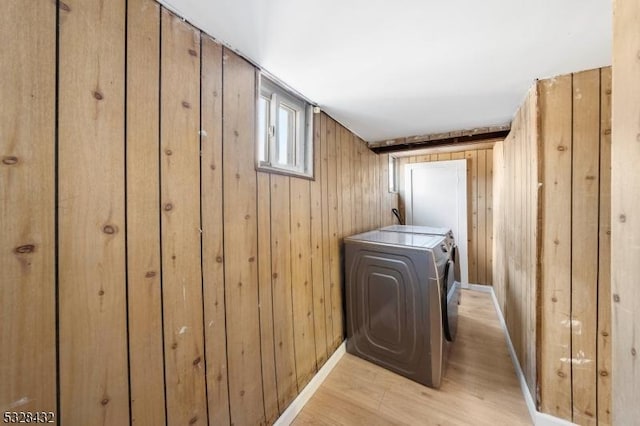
[397,306]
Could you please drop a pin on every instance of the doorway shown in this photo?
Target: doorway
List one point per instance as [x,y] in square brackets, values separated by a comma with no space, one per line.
[436,195]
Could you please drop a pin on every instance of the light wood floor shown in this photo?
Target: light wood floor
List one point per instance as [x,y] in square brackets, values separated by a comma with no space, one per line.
[479,388]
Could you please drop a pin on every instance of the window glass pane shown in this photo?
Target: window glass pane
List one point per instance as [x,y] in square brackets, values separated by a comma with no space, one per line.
[392,174]
[286,152]
[263,128]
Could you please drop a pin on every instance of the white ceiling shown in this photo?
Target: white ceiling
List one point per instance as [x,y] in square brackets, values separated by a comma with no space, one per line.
[389,69]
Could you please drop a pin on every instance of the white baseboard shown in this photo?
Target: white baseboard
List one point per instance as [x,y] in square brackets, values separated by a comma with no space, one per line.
[298,404]
[538,418]
[479,287]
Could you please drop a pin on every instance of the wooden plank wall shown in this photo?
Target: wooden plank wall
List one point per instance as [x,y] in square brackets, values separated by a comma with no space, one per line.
[515,233]
[146,339]
[479,200]
[552,243]
[93,344]
[625,208]
[604,349]
[181,221]
[27,184]
[575,326]
[584,243]
[555,372]
[189,288]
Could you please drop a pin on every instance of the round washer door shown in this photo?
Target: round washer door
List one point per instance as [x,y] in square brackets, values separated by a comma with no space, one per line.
[448,281]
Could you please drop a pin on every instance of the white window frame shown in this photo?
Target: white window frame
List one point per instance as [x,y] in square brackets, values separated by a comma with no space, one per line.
[303,111]
[393,174]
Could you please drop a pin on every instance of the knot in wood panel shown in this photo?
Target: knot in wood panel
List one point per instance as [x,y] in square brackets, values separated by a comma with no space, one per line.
[109,229]
[25,249]
[9,160]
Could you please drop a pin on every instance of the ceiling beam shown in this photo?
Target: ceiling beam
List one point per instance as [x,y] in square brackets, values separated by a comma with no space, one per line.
[444,149]
[481,134]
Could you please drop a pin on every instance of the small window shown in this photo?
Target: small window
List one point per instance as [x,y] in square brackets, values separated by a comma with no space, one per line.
[393,174]
[284,135]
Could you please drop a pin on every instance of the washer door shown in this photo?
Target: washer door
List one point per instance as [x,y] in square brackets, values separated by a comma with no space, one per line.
[447,283]
[456,258]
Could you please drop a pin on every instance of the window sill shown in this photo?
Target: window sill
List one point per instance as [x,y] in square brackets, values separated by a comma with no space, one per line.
[284,172]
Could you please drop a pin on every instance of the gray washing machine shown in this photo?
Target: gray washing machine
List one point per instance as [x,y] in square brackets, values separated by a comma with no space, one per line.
[453,288]
[400,287]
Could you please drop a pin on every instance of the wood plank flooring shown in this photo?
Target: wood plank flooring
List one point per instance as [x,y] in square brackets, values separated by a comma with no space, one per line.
[480,386]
